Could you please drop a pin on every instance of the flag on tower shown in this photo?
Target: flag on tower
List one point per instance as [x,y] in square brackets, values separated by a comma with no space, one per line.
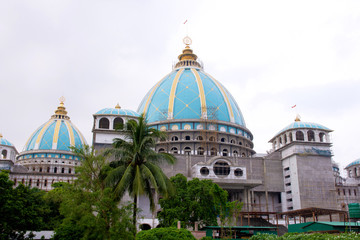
[293,106]
[185,21]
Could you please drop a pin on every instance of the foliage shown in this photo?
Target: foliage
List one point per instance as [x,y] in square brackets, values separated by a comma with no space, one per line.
[195,201]
[309,236]
[135,168]
[21,209]
[165,234]
[206,238]
[90,209]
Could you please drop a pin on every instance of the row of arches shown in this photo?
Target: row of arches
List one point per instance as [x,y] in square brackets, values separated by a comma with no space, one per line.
[300,136]
[201,138]
[36,182]
[104,123]
[53,170]
[201,151]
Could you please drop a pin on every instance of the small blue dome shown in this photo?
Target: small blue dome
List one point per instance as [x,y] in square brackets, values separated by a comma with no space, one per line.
[56,134]
[356,162]
[299,124]
[117,111]
[190,93]
[5,142]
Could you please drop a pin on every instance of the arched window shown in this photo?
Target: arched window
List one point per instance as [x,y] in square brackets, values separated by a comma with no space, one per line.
[30,182]
[55,169]
[232,141]
[104,123]
[285,138]
[37,182]
[118,123]
[222,139]
[174,138]
[40,169]
[299,136]
[63,170]
[213,151]
[212,139]
[69,170]
[48,169]
[200,151]
[187,138]
[200,138]
[355,172]
[290,137]
[45,183]
[225,152]
[235,153]
[15,182]
[221,168]
[187,150]
[174,150]
[4,154]
[161,150]
[322,137]
[145,226]
[240,143]
[311,136]
[243,155]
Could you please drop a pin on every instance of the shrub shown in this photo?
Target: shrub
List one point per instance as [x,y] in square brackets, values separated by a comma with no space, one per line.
[165,234]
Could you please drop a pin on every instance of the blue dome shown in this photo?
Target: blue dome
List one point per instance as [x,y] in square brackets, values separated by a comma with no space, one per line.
[299,124]
[5,142]
[117,111]
[356,162]
[56,134]
[190,93]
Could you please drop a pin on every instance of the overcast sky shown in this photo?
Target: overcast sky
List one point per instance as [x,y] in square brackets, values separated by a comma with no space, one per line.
[270,55]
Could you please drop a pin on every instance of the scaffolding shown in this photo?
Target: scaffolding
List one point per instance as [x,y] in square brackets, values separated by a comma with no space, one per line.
[208,131]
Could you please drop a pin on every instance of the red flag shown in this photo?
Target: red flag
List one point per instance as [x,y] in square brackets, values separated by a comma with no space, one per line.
[185,21]
[293,106]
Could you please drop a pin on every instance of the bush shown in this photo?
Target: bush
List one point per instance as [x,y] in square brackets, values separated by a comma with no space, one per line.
[310,236]
[206,238]
[165,234]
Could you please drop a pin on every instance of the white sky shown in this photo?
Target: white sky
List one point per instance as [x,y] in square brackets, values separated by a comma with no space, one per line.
[269,54]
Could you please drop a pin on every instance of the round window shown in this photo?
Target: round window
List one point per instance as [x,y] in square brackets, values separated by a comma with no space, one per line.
[221,168]
[238,172]
[204,171]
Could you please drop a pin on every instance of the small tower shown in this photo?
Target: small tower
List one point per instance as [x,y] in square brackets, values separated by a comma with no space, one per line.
[106,121]
[7,154]
[307,166]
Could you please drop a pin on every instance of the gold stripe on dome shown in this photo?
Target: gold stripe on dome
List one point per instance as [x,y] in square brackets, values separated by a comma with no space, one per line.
[79,133]
[41,134]
[71,133]
[172,93]
[56,134]
[152,93]
[201,93]
[231,112]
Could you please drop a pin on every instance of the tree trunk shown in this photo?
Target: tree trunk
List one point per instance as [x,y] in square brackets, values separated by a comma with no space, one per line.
[134,213]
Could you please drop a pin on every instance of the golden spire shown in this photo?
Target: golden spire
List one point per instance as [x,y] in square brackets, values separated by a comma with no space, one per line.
[297,119]
[187,58]
[187,52]
[1,135]
[60,112]
[117,106]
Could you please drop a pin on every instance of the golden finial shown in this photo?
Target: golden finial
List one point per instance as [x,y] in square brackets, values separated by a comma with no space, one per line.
[117,106]
[297,119]
[1,135]
[187,41]
[60,111]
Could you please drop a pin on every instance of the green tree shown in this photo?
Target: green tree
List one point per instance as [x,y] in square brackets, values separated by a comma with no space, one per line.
[170,233]
[194,201]
[90,209]
[21,209]
[136,167]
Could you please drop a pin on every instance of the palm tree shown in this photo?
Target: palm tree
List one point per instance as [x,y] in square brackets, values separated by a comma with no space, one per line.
[136,165]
